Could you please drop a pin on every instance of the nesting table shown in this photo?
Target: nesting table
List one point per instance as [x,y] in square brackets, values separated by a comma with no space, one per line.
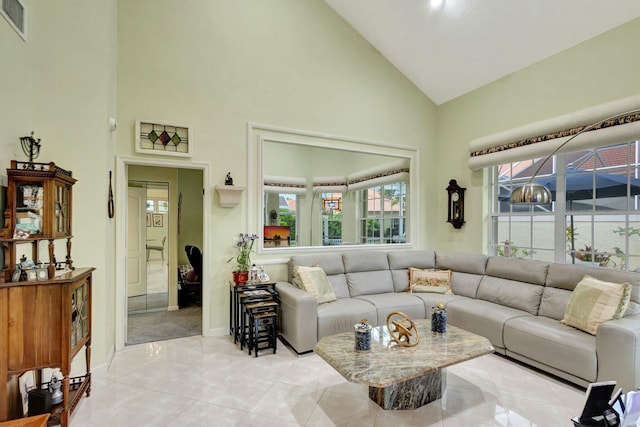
[253,316]
[402,377]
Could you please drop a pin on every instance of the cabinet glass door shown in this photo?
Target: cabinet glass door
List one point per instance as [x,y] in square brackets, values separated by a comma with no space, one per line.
[29,205]
[79,315]
[61,211]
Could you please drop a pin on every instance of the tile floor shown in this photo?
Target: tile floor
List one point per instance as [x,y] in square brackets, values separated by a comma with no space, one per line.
[197,381]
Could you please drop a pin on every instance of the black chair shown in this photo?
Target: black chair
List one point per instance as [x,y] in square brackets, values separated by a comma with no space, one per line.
[192,281]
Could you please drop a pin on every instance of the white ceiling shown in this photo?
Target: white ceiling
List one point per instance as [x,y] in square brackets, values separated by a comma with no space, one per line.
[452,49]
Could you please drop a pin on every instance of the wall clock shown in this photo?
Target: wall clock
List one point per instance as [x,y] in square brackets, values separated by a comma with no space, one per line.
[456,204]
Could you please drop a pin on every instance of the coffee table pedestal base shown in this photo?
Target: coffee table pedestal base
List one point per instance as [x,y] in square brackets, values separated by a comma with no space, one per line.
[409,394]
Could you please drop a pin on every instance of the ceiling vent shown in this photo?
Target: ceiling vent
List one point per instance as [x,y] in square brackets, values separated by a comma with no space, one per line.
[15,14]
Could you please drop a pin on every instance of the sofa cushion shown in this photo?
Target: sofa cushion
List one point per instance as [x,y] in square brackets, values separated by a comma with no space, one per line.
[463,263]
[365,261]
[388,302]
[519,270]
[314,281]
[567,276]
[341,315]
[369,282]
[554,303]
[482,317]
[510,293]
[549,342]
[429,280]
[595,301]
[430,300]
[332,266]
[465,283]
[399,261]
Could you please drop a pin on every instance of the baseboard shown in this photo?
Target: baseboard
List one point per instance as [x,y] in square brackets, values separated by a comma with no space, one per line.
[105,366]
[173,308]
[215,332]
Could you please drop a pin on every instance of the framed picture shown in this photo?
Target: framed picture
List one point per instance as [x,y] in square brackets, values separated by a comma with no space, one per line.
[32,275]
[163,138]
[43,274]
[15,276]
[148,220]
[157,220]
[277,236]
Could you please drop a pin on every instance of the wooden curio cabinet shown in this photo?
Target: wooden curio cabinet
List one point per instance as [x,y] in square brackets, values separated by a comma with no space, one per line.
[39,197]
[44,321]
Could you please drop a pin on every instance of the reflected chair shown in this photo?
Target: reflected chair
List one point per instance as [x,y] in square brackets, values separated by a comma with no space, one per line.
[157,248]
[192,281]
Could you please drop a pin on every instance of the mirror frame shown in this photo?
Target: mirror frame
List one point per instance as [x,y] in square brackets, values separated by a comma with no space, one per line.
[258,134]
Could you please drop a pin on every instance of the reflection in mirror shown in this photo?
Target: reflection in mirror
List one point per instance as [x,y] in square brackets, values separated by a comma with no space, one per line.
[323,192]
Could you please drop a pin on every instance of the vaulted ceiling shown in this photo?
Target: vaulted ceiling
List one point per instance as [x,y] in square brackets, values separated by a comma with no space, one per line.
[452,48]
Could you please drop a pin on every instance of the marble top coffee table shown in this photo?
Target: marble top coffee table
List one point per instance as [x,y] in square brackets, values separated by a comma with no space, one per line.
[402,377]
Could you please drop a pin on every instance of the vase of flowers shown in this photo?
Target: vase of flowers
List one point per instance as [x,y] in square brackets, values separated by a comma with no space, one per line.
[243,259]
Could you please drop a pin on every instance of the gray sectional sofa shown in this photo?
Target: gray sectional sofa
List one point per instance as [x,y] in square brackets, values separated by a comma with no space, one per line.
[516,304]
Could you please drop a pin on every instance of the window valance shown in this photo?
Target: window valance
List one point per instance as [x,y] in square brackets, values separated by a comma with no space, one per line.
[284,184]
[541,138]
[330,184]
[379,175]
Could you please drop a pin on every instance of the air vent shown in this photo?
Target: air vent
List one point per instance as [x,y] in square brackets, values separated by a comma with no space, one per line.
[15,14]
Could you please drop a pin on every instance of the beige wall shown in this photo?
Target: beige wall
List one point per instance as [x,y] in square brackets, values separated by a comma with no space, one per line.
[61,84]
[219,64]
[287,63]
[599,70]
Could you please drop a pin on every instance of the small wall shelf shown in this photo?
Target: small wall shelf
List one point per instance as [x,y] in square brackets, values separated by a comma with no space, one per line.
[229,195]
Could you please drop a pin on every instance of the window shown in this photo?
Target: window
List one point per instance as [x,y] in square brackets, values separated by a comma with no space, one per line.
[383,213]
[594,217]
[331,219]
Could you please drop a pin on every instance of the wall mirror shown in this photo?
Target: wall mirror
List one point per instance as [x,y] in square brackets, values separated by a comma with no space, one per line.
[313,192]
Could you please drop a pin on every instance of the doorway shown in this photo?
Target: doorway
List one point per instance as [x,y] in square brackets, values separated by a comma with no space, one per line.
[155,252]
[147,266]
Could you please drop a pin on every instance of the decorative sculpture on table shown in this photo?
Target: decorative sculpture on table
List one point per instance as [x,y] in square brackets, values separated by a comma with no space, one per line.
[402,329]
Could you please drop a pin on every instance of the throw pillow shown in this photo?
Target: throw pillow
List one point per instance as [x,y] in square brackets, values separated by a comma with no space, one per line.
[316,282]
[594,301]
[437,281]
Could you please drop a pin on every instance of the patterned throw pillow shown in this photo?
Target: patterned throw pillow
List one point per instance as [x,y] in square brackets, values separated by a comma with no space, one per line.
[316,282]
[437,281]
[594,301]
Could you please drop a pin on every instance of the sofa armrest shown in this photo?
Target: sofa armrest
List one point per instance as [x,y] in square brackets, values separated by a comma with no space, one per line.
[298,317]
[618,351]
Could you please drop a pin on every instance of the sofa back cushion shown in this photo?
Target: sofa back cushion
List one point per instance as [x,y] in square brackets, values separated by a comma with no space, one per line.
[563,278]
[520,295]
[554,302]
[519,270]
[465,284]
[332,265]
[467,271]
[367,273]
[401,261]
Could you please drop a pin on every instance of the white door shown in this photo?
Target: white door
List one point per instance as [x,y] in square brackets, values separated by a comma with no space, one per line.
[136,242]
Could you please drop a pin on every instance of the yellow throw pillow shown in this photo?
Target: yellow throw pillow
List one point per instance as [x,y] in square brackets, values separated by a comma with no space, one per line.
[594,301]
[316,282]
[436,281]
